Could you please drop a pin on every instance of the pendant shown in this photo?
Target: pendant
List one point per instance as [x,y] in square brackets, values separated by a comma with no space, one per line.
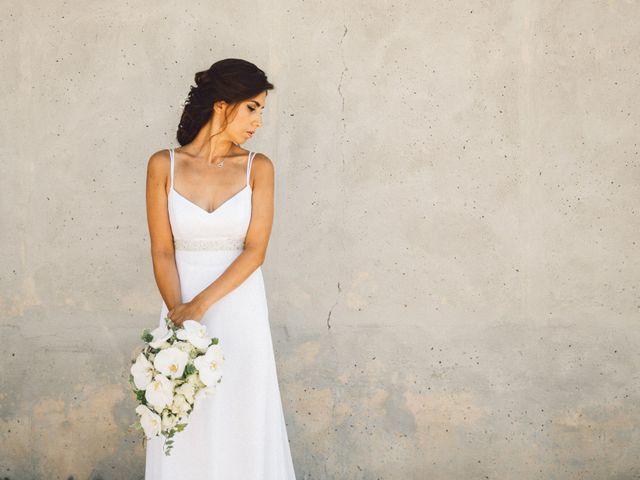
[220,164]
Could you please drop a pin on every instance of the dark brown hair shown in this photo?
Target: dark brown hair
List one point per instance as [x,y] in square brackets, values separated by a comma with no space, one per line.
[232,80]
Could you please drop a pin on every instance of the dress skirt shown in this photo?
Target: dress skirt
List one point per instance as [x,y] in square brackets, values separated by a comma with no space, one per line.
[239,431]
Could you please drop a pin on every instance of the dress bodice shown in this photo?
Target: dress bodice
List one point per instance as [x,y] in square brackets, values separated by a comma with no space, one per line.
[225,228]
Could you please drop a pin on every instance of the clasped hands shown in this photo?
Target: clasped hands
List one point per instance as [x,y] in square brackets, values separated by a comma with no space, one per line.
[193,310]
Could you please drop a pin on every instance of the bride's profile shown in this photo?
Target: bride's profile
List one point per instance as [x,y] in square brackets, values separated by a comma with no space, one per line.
[210,208]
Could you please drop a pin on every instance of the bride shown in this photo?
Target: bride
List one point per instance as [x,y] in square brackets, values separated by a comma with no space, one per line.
[210,207]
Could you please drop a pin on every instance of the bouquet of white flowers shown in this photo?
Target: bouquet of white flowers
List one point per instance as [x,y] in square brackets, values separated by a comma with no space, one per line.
[175,369]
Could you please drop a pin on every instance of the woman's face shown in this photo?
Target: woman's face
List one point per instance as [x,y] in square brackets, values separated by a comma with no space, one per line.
[247,119]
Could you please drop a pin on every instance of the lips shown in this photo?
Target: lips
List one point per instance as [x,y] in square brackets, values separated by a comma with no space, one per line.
[250,133]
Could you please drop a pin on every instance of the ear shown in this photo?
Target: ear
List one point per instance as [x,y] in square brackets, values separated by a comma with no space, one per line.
[220,106]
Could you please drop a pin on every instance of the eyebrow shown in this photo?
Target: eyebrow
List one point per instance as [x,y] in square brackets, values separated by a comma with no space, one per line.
[257,103]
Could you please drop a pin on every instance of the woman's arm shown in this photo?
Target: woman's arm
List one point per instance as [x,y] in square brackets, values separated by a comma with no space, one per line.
[256,241]
[162,250]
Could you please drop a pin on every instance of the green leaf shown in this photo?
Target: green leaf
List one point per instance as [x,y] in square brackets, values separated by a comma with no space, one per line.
[172,326]
[146,336]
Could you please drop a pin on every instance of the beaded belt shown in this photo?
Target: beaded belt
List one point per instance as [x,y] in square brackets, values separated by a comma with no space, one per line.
[209,244]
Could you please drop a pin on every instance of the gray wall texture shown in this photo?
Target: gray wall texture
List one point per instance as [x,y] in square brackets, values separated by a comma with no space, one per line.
[453,275]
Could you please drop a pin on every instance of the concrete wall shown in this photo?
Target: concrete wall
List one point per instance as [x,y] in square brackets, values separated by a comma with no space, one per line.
[453,276]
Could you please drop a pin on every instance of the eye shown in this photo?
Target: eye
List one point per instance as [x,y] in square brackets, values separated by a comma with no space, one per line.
[251,108]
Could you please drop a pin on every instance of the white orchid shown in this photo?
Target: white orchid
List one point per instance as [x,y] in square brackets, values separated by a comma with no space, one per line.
[194,332]
[142,371]
[171,361]
[209,364]
[150,421]
[160,335]
[159,392]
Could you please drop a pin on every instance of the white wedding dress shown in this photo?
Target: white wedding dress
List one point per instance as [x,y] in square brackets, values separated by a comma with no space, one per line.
[238,432]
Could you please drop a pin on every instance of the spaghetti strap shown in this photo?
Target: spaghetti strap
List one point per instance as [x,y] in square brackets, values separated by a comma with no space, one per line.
[172,162]
[251,155]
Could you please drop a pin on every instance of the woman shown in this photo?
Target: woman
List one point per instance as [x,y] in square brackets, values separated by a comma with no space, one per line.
[210,211]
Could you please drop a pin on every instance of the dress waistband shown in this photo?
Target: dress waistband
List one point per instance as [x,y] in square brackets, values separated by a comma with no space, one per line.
[221,243]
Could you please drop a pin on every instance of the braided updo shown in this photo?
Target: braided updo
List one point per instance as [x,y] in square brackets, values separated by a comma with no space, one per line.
[232,80]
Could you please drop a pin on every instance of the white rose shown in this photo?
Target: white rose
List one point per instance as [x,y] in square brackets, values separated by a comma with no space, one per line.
[168,421]
[185,346]
[142,371]
[159,392]
[195,332]
[149,420]
[194,379]
[180,406]
[203,393]
[188,390]
[209,365]
[171,362]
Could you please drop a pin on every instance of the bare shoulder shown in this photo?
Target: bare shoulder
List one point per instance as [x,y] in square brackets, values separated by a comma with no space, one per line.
[159,170]
[159,162]
[262,164]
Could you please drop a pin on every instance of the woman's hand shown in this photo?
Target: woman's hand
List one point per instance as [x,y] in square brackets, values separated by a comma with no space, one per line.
[192,310]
